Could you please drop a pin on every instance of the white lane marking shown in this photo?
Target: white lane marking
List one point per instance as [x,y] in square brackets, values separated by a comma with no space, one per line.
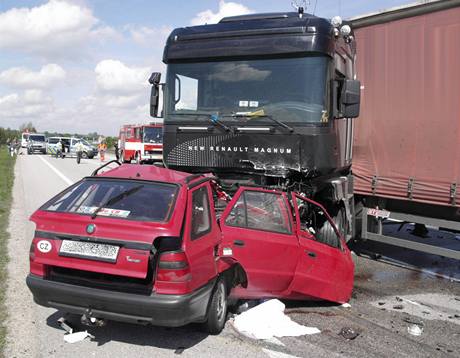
[58,173]
[276,354]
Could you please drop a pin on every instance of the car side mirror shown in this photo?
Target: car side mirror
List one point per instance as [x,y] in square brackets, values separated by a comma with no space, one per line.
[350,98]
[154,80]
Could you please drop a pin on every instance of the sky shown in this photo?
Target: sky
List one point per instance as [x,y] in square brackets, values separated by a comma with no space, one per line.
[80,66]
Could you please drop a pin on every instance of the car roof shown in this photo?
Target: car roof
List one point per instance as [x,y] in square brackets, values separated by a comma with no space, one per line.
[149,172]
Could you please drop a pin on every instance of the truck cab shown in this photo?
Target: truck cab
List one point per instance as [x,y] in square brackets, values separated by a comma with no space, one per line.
[145,244]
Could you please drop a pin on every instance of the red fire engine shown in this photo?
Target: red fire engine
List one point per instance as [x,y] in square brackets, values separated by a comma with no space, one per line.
[141,142]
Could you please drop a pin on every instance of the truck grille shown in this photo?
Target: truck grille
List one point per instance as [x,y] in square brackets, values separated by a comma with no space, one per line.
[102,281]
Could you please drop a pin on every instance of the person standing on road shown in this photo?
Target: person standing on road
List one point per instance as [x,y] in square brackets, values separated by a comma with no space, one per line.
[58,148]
[62,149]
[117,153]
[79,149]
[102,149]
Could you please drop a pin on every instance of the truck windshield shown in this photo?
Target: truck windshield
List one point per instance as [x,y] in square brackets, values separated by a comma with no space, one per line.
[288,89]
[146,201]
[153,135]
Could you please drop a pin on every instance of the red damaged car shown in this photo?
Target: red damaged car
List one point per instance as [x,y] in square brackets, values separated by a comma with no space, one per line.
[145,244]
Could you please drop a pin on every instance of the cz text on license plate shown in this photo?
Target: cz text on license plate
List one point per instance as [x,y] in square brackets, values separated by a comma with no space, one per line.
[89,250]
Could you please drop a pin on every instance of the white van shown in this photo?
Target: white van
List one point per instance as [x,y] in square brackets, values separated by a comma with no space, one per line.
[70,145]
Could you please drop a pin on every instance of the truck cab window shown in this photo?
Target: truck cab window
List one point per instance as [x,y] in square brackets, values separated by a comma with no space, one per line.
[201,213]
[260,211]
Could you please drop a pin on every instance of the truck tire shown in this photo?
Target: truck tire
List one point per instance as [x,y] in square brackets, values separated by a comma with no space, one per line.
[217,310]
[327,234]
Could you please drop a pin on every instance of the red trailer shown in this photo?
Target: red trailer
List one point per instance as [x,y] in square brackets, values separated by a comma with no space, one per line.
[407,139]
[141,142]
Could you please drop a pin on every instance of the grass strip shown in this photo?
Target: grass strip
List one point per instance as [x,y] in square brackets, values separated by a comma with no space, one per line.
[6,189]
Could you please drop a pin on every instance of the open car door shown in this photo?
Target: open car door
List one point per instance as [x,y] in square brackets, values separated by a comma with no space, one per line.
[325,268]
[257,226]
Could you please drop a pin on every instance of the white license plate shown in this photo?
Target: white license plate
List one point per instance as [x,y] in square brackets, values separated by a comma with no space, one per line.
[89,250]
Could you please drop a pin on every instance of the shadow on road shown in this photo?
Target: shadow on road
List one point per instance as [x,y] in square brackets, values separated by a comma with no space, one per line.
[179,339]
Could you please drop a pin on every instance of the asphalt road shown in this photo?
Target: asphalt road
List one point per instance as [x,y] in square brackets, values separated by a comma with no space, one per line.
[386,301]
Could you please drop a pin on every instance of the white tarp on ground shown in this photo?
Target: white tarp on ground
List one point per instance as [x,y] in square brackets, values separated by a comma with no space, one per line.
[268,320]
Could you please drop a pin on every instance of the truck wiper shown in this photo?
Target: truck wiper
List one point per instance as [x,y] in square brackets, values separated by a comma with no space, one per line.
[261,114]
[215,119]
[117,198]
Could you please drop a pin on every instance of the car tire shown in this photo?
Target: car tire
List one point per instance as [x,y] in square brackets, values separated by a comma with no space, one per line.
[84,155]
[217,310]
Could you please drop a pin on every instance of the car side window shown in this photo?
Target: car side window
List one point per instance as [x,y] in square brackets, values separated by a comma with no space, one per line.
[314,221]
[260,211]
[201,213]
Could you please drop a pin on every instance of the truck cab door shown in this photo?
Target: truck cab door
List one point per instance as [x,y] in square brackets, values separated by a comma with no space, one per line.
[201,235]
[325,269]
[257,228]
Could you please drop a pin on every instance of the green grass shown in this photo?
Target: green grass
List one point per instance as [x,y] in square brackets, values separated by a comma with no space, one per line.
[6,188]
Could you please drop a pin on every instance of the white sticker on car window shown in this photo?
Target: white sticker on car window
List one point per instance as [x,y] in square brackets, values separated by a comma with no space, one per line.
[254,104]
[244,103]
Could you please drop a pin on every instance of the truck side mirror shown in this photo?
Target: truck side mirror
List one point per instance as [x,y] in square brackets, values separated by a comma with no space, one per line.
[154,80]
[350,98]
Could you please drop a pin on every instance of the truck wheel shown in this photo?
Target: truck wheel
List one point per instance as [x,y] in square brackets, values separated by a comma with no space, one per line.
[327,234]
[217,310]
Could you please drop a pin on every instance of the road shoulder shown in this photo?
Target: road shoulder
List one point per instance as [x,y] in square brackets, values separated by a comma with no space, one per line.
[21,333]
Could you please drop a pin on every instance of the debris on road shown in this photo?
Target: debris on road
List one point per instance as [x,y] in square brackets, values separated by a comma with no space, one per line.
[268,320]
[348,333]
[77,337]
[415,330]
[64,325]
[398,307]
[346,305]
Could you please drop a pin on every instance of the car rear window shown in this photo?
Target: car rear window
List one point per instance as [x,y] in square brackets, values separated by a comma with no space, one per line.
[121,199]
[53,140]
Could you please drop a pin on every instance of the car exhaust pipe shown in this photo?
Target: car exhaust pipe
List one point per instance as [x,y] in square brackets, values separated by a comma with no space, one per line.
[88,320]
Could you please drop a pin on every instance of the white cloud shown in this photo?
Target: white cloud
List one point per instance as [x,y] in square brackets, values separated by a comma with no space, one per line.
[57,28]
[114,76]
[29,104]
[22,77]
[148,36]
[225,9]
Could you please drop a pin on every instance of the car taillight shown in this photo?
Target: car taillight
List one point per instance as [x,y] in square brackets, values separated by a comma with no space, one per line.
[35,268]
[173,267]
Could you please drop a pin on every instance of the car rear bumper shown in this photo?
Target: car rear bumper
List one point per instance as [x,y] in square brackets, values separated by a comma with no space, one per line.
[156,309]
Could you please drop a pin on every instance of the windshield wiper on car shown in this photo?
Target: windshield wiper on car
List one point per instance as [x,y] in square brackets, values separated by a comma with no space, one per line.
[117,198]
[261,114]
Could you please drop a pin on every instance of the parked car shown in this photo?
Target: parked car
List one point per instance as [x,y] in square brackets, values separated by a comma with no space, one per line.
[70,145]
[145,244]
[36,143]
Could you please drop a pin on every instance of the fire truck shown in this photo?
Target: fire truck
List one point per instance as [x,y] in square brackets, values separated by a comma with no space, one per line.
[141,142]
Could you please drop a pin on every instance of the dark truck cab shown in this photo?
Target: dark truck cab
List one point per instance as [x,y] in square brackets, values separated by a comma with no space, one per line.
[265,99]
[144,244]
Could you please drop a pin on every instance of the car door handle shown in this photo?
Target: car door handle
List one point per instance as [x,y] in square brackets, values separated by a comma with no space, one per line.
[311,254]
[238,242]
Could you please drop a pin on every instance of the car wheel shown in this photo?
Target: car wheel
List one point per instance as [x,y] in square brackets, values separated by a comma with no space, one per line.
[217,310]
[84,155]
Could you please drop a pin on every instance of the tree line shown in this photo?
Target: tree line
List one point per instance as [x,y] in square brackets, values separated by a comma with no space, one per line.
[8,134]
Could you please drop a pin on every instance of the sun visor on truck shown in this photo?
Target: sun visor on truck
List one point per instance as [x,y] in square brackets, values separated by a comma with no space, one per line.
[271,36]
